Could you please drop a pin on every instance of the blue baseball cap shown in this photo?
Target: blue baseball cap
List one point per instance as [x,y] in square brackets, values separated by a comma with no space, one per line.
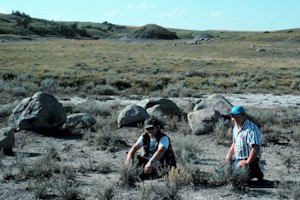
[235,110]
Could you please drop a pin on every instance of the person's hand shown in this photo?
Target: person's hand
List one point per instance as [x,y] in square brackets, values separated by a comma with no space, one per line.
[148,168]
[242,163]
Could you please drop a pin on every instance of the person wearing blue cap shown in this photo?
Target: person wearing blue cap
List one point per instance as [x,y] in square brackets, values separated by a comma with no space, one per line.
[246,145]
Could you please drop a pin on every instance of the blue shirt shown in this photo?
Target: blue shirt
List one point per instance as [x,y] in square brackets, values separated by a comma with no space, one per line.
[245,138]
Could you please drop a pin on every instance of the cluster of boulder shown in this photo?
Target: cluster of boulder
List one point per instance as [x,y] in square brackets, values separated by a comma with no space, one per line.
[43,113]
[200,38]
[201,119]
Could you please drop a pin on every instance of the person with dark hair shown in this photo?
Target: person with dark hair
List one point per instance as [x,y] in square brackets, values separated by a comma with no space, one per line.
[246,146]
[158,152]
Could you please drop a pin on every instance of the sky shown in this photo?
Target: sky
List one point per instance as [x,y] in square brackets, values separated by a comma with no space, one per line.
[239,15]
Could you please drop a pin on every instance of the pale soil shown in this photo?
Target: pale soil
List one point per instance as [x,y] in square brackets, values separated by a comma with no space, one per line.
[78,153]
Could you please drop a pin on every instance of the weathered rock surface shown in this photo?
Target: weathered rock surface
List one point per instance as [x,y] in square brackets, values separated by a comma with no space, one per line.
[41,111]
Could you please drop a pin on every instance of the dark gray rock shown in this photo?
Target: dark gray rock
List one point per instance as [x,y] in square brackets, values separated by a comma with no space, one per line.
[167,106]
[41,111]
[79,121]
[7,138]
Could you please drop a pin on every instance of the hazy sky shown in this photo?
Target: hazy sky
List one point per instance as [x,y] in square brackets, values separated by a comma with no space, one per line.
[248,15]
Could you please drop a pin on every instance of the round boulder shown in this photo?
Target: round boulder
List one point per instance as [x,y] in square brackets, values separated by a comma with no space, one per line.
[79,121]
[131,115]
[215,102]
[41,111]
[202,121]
[167,106]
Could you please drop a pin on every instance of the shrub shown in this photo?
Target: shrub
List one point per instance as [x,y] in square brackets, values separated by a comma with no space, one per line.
[49,84]
[129,174]
[288,189]
[105,192]
[295,134]
[179,176]
[6,110]
[159,191]
[187,149]
[19,91]
[104,90]
[96,109]
[106,141]
[222,131]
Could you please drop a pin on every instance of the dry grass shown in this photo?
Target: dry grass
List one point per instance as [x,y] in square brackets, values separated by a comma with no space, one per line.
[111,67]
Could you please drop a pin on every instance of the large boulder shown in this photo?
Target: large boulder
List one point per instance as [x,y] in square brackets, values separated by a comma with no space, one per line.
[131,115]
[79,121]
[215,102]
[7,140]
[167,106]
[39,112]
[202,121]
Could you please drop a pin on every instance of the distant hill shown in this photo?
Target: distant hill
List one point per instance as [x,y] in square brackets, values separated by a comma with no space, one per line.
[20,25]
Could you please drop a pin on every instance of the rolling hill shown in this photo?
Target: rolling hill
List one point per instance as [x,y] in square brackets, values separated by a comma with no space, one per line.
[22,26]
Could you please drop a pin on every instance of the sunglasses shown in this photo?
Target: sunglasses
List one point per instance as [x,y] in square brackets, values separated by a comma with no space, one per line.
[151,128]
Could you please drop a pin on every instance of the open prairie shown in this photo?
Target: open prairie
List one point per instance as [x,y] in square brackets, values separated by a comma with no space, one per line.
[90,165]
[151,67]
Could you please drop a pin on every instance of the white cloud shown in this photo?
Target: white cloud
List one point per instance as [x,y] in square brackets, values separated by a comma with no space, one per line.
[112,13]
[177,12]
[216,14]
[141,6]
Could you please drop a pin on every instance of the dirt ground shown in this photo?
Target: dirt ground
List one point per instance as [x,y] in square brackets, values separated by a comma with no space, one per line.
[281,167]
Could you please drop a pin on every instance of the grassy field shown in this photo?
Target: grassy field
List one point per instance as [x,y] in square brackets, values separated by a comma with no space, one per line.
[160,68]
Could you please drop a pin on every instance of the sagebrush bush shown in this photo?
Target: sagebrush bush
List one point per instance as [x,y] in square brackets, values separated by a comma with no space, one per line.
[159,191]
[129,174]
[179,176]
[187,149]
[222,131]
[106,141]
[104,90]
[96,108]
[105,192]
[295,135]
[288,189]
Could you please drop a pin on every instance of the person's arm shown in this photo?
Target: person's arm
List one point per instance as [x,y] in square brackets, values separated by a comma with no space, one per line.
[156,156]
[230,152]
[132,151]
[252,156]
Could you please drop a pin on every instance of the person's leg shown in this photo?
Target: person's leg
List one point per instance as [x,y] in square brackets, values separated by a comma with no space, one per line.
[255,171]
[142,161]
